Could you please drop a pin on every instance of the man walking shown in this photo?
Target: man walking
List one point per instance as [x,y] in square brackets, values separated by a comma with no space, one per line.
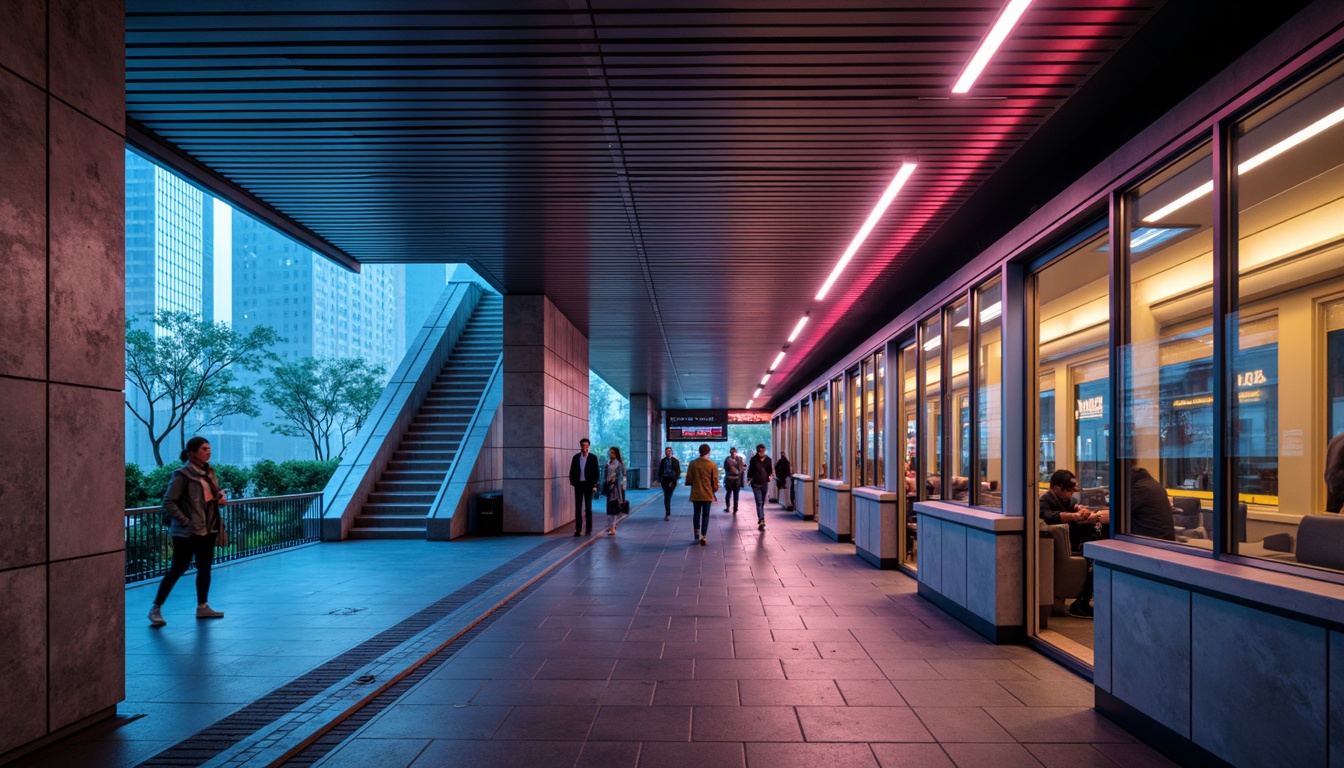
[782,474]
[734,469]
[759,474]
[669,472]
[703,478]
[583,476]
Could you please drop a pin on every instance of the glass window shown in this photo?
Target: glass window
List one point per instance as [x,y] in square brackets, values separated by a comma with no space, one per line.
[823,435]
[1167,368]
[856,476]
[931,442]
[959,379]
[988,395]
[1073,338]
[907,375]
[804,457]
[877,420]
[838,437]
[1283,388]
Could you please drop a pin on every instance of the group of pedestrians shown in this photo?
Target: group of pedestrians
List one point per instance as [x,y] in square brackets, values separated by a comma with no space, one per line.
[702,477]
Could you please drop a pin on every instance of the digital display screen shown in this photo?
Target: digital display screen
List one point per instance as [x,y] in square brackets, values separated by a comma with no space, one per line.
[699,426]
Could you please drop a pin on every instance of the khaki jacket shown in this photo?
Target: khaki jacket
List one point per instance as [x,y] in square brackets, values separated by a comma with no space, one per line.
[703,478]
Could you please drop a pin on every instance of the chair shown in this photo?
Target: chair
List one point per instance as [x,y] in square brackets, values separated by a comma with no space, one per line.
[1186,511]
[1320,541]
[1070,569]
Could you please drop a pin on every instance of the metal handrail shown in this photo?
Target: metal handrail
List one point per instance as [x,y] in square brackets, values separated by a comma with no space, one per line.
[255,526]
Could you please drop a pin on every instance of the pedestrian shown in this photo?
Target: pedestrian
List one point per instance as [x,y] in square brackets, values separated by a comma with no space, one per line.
[192,506]
[759,473]
[734,468]
[583,476]
[703,478]
[669,472]
[614,487]
[782,474]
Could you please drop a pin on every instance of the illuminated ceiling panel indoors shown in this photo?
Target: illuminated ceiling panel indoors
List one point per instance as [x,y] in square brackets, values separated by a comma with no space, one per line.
[679,178]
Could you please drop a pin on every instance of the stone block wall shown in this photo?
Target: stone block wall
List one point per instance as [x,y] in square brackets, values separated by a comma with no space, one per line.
[646,449]
[545,412]
[62,250]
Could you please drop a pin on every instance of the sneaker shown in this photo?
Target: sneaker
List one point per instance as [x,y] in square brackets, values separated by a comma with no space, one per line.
[1079,610]
[155,617]
[760,524]
[702,541]
[206,612]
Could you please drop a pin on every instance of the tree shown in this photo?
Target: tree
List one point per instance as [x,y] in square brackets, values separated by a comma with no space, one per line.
[181,369]
[325,401]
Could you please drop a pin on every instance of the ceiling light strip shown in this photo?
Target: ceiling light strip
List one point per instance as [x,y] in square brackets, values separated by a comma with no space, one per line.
[778,359]
[797,329]
[902,175]
[997,34]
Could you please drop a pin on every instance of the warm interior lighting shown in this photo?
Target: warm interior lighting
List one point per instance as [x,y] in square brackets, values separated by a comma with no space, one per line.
[901,177]
[997,34]
[749,402]
[766,380]
[933,343]
[756,394]
[1318,127]
[797,329]
[778,359]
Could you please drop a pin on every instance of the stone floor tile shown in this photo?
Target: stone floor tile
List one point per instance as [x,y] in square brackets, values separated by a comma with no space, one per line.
[653,669]
[979,669]
[912,756]
[991,756]
[908,669]
[832,669]
[566,668]
[772,650]
[900,649]
[698,650]
[1052,693]
[547,723]
[443,691]
[1057,724]
[494,669]
[962,724]
[385,753]
[955,693]
[566,692]
[499,754]
[721,693]
[642,724]
[665,754]
[1069,756]
[429,721]
[790,693]
[744,723]
[855,724]
[812,636]
[766,755]
[870,693]
[738,669]
[609,754]
[1133,755]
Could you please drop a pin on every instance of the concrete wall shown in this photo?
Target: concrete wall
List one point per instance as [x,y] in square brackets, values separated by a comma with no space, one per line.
[875,521]
[646,448]
[970,565]
[545,412]
[835,509]
[62,251]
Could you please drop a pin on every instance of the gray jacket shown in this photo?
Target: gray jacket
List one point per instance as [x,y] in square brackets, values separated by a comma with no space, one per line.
[614,486]
[190,512]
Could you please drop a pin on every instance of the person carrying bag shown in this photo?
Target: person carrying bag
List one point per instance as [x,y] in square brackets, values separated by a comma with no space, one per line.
[614,489]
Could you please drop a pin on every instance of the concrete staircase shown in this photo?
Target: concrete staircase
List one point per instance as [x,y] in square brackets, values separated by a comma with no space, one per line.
[403,494]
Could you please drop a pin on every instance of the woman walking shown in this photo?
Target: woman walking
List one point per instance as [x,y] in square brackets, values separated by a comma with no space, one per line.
[192,503]
[614,488]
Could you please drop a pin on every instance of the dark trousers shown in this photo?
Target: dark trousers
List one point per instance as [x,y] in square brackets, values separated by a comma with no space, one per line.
[668,487]
[700,518]
[1085,595]
[198,548]
[758,492]
[583,508]
[730,491]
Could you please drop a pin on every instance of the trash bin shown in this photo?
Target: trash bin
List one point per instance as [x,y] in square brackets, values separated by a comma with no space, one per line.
[490,513]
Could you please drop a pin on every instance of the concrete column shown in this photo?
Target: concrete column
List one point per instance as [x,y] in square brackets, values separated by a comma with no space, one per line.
[62,249]
[545,413]
[645,439]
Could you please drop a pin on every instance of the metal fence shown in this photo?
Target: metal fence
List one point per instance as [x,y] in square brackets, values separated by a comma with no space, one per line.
[254,525]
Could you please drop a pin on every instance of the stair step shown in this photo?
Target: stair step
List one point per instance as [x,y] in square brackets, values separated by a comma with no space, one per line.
[396,509]
[385,485]
[416,477]
[440,466]
[389,521]
[406,498]
[387,533]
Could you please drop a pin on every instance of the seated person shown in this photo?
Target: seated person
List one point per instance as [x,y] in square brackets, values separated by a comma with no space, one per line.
[1334,475]
[1150,512]
[1057,506]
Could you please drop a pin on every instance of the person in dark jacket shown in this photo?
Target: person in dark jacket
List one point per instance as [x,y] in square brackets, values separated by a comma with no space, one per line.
[1334,474]
[1150,512]
[192,506]
[734,468]
[782,474]
[759,472]
[1058,506]
[583,476]
[614,488]
[669,472]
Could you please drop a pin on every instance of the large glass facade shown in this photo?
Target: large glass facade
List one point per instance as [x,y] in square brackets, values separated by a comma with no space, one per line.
[931,426]
[989,395]
[908,400]
[958,383]
[823,436]
[858,468]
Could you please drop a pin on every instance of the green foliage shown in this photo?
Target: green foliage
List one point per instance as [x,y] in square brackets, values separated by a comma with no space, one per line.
[155,484]
[179,373]
[233,479]
[325,401]
[135,487]
[292,476]
[608,418]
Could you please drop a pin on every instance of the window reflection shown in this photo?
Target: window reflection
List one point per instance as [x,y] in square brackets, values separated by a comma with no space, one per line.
[931,441]
[989,416]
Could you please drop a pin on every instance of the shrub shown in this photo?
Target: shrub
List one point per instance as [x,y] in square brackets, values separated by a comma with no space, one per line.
[292,476]
[155,484]
[233,479]
[135,487]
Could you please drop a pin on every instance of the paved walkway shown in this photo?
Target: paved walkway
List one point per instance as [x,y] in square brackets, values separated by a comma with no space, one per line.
[777,649]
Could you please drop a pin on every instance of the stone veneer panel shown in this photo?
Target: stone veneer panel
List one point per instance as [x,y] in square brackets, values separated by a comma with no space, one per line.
[1243,655]
[85,425]
[23,226]
[23,664]
[23,42]
[88,261]
[1102,628]
[1150,649]
[88,58]
[86,674]
[545,413]
[1336,703]
[23,480]
[954,562]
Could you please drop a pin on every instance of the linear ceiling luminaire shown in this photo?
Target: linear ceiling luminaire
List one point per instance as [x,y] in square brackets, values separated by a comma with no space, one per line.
[797,329]
[749,402]
[778,359]
[997,34]
[765,380]
[756,394]
[902,175]
[1320,126]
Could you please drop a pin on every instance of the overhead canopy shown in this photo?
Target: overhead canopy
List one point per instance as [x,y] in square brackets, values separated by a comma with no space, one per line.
[678,181]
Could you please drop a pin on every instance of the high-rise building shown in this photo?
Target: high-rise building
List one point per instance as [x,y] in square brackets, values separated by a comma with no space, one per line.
[169,262]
